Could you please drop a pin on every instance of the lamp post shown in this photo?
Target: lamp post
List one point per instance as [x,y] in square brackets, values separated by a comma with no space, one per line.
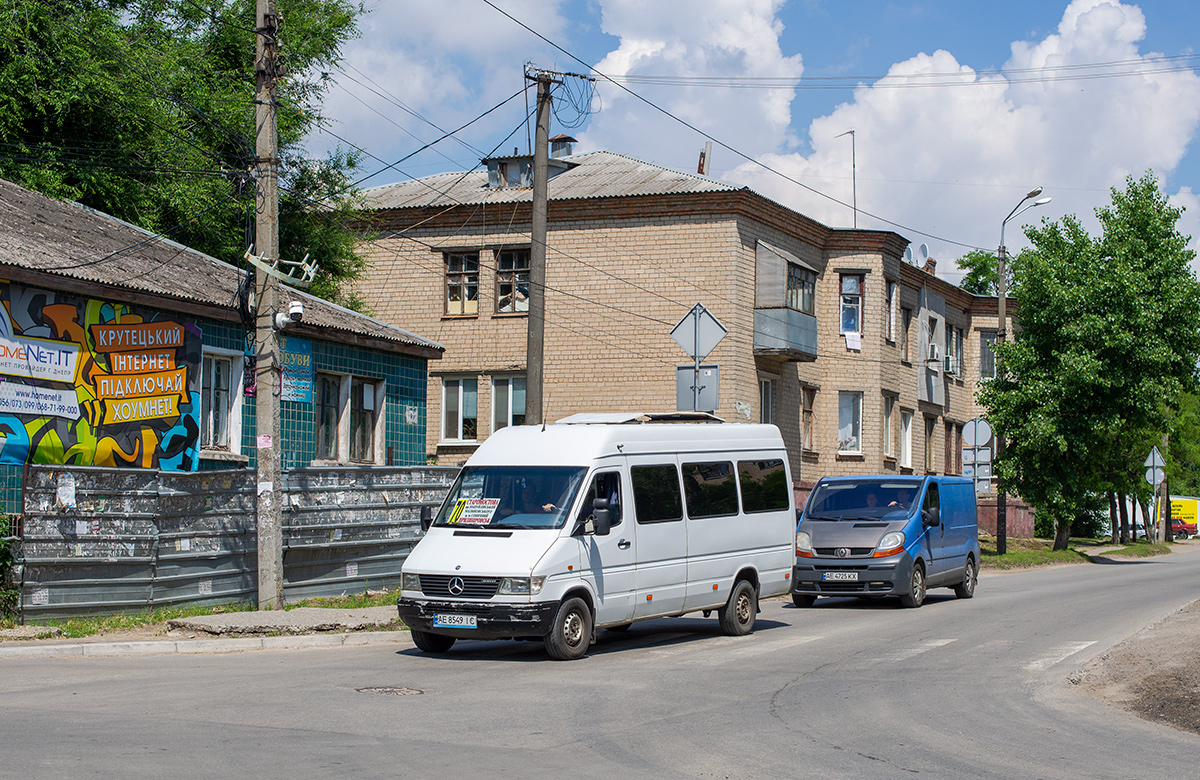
[1001,333]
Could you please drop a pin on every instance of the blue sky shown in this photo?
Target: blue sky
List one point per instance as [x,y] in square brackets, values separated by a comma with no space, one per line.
[938,164]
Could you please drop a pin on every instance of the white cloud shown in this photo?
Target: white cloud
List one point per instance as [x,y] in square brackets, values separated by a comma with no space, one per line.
[954,160]
[692,38]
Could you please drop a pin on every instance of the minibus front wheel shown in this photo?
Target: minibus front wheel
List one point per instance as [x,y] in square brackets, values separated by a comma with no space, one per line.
[571,631]
[431,643]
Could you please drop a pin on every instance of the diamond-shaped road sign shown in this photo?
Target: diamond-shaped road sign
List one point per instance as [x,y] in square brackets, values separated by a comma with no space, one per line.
[698,332]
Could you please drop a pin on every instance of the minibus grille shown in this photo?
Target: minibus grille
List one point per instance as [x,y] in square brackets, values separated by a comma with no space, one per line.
[854,587]
[447,586]
[831,552]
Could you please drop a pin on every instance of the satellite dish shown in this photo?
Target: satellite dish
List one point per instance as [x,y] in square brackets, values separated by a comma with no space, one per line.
[908,258]
[923,252]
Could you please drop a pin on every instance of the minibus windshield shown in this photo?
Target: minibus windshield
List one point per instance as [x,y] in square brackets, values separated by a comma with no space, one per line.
[511,497]
[866,499]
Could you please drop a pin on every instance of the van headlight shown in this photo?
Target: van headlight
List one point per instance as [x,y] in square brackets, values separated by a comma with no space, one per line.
[521,586]
[890,544]
[410,581]
[803,545]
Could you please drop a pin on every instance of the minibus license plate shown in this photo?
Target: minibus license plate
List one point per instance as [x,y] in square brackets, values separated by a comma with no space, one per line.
[454,621]
[840,576]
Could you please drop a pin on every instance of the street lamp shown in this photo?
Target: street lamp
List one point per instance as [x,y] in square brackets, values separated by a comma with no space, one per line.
[1002,331]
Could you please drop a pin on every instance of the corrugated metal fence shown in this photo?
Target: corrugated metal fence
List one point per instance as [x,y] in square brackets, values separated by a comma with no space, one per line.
[101,540]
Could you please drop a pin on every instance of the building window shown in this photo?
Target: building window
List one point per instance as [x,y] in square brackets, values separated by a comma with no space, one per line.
[932,353]
[765,402]
[850,422]
[801,289]
[362,420]
[930,432]
[987,358]
[215,403]
[460,404]
[958,351]
[905,335]
[889,322]
[889,408]
[808,397]
[512,281]
[462,283]
[906,419]
[508,402]
[852,303]
[329,415]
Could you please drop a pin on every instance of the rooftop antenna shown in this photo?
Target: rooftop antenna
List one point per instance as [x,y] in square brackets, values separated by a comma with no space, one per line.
[297,274]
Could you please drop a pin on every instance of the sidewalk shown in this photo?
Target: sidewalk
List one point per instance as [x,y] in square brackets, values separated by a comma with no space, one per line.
[231,633]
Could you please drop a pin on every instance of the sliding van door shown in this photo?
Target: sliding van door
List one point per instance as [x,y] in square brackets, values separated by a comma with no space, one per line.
[661,535]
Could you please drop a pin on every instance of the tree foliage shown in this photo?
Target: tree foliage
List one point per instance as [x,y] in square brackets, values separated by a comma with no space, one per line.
[143,109]
[983,273]
[1109,339]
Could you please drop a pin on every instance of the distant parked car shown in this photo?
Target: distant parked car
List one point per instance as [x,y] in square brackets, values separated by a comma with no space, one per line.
[1182,530]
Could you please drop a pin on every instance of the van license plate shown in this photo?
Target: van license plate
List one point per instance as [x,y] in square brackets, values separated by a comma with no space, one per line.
[839,576]
[454,621]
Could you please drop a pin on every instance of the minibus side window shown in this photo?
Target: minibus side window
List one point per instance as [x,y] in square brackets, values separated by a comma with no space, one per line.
[764,485]
[711,489]
[605,485]
[656,493]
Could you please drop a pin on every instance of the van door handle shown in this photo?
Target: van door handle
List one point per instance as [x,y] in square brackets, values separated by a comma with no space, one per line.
[624,544]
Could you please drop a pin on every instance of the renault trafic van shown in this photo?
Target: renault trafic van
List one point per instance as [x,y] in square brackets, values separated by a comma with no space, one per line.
[887,536]
[598,521]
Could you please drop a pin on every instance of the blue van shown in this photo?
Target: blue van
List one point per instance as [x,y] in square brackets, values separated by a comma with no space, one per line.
[887,536]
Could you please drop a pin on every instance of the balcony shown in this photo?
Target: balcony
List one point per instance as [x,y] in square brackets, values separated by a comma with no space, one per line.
[785,334]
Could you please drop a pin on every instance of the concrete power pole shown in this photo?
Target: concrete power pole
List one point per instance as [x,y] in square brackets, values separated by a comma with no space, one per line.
[267,366]
[537,254]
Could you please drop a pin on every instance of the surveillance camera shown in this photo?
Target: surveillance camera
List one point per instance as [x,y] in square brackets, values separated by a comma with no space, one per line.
[296,311]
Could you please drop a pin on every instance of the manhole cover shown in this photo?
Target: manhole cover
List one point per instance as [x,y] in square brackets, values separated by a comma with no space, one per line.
[390,690]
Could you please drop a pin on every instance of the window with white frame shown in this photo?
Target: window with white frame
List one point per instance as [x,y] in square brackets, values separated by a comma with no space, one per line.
[462,283]
[851,288]
[906,419]
[766,403]
[801,289]
[889,408]
[889,322]
[808,397]
[508,402]
[329,415]
[460,409]
[363,416]
[216,402]
[512,281]
[349,412]
[850,422]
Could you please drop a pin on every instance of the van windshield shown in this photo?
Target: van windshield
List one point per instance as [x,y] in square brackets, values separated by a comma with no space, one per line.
[866,499]
[511,497]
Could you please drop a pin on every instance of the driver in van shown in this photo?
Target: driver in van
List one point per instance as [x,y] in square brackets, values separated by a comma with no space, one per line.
[529,501]
[903,499]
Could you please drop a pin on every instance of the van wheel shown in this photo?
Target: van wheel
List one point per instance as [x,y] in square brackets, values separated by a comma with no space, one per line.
[571,632]
[966,588]
[916,588]
[431,643]
[737,616]
[800,600]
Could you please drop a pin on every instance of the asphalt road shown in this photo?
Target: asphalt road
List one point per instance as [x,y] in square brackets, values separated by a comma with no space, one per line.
[955,689]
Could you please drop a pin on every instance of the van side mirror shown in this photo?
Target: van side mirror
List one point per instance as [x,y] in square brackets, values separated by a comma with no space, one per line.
[601,518]
[426,517]
[930,517]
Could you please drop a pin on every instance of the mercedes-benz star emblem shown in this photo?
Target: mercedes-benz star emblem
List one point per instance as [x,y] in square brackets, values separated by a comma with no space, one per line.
[456,586]
[842,552]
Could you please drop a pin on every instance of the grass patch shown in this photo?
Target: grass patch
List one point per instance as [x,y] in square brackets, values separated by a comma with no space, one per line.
[372,598]
[110,624]
[1028,553]
[1141,549]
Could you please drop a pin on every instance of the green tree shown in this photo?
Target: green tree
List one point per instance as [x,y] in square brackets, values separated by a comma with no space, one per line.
[1109,338]
[143,109]
[1183,460]
[981,268]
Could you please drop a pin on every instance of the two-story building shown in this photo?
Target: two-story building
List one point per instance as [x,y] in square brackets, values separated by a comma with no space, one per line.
[866,362]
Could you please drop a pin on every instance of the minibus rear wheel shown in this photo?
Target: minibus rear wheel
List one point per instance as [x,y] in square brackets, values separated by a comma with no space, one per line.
[571,632]
[432,643]
[737,616]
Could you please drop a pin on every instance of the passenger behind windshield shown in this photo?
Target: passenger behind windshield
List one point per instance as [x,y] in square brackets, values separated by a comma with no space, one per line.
[867,500]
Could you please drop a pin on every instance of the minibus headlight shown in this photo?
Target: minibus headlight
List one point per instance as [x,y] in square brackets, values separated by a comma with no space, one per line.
[803,545]
[890,544]
[410,582]
[521,586]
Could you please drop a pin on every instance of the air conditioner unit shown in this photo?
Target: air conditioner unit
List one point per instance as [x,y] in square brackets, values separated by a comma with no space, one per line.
[935,354]
[951,364]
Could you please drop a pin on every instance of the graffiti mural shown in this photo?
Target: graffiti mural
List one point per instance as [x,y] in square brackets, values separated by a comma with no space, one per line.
[89,382]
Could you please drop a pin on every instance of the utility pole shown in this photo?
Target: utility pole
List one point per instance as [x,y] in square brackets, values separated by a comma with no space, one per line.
[534,356]
[1001,334]
[267,366]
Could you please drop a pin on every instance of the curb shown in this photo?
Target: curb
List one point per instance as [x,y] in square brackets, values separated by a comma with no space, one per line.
[204,646]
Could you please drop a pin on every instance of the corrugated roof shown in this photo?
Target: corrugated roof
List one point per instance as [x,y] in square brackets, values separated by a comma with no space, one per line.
[70,240]
[594,175]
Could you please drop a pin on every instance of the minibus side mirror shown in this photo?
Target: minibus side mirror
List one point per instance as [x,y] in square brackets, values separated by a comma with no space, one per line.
[426,517]
[601,518]
[930,517]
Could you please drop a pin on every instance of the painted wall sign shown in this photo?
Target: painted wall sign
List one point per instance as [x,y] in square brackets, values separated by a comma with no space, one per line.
[92,382]
[297,369]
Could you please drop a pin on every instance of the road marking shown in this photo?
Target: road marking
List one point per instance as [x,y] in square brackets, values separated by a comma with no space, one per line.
[1057,654]
[905,653]
[737,646]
